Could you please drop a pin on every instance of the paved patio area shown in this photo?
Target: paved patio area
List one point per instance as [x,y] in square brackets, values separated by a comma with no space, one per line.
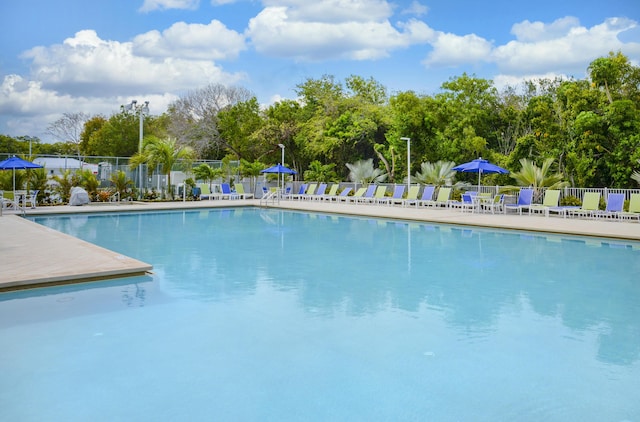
[33,255]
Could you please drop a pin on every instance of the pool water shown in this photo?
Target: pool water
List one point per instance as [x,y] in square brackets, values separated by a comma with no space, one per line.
[268,315]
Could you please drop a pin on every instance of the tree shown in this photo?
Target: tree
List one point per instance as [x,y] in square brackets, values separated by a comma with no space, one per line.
[363,172]
[319,172]
[121,183]
[193,118]
[69,128]
[165,153]
[439,173]
[538,177]
[236,124]
[207,173]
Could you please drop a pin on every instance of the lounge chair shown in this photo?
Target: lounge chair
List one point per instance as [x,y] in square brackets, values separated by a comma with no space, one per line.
[333,191]
[615,202]
[496,205]
[590,204]
[356,196]
[525,197]
[240,191]
[301,192]
[205,192]
[379,194]
[311,190]
[322,189]
[466,204]
[634,208]
[427,195]
[442,200]
[395,198]
[550,200]
[344,194]
[227,192]
[412,195]
[367,196]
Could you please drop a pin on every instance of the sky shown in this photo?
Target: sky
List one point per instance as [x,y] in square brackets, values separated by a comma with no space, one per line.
[71,56]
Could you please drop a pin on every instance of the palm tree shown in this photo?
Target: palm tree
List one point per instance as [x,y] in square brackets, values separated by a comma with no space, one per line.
[207,173]
[363,172]
[252,171]
[165,153]
[538,177]
[439,173]
[121,183]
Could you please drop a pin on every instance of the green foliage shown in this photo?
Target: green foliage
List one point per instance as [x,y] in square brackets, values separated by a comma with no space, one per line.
[538,177]
[64,183]
[319,172]
[363,172]
[439,173]
[590,127]
[88,181]
[167,154]
[121,183]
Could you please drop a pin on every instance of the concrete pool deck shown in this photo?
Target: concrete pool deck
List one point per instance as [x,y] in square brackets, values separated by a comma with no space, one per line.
[33,255]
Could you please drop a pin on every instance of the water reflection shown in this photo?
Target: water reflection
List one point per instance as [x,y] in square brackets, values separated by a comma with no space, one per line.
[362,266]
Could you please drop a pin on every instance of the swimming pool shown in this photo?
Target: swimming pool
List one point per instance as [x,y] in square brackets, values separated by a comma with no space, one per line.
[261,315]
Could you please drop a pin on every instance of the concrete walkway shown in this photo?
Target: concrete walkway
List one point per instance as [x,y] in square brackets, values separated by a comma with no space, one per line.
[31,254]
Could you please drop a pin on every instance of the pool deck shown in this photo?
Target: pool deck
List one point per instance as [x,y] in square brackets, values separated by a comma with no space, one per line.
[32,255]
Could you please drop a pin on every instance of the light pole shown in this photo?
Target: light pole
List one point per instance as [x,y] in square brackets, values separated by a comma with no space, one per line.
[408,162]
[282,163]
[141,110]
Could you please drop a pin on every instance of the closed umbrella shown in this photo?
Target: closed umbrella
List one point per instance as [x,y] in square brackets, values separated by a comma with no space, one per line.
[480,166]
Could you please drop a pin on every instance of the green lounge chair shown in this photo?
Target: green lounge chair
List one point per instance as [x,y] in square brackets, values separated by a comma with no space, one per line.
[590,204]
[634,208]
[412,196]
[357,195]
[380,193]
[442,200]
[240,191]
[333,191]
[550,200]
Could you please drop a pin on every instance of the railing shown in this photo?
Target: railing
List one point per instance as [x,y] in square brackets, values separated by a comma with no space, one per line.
[271,196]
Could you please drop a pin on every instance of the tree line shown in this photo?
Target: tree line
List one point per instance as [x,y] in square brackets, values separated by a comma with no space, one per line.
[588,129]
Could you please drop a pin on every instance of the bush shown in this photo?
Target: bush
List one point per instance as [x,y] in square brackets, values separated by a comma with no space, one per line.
[571,201]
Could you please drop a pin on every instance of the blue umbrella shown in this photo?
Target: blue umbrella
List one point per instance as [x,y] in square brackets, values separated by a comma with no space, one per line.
[13,163]
[480,166]
[279,168]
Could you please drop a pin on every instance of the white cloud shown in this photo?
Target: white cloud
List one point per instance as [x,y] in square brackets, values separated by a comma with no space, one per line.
[191,41]
[566,47]
[454,50]
[96,76]
[297,33]
[89,65]
[333,11]
[539,31]
[151,5]
[416,9]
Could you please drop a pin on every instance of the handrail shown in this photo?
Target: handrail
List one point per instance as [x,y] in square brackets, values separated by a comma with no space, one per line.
[272,196]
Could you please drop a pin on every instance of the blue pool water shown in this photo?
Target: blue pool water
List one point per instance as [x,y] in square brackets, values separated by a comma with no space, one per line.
[267,315]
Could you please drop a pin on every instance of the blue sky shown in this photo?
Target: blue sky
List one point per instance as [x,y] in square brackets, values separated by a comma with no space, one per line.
[92,56]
